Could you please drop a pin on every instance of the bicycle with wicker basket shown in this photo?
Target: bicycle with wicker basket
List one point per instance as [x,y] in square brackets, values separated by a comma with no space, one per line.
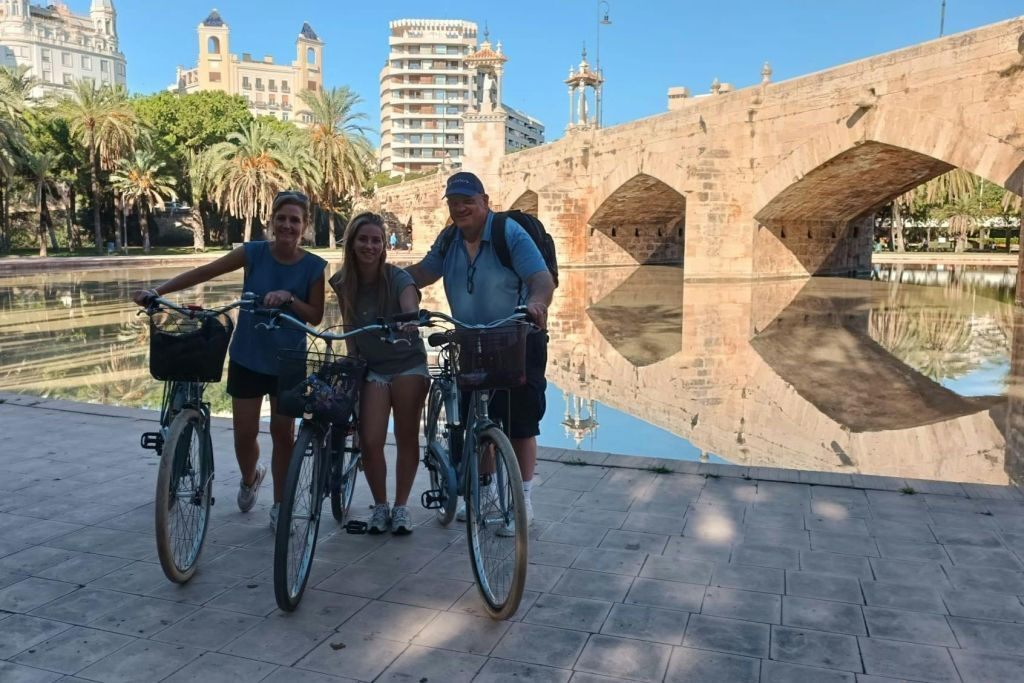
[466,453]
[187,347]
[322,388]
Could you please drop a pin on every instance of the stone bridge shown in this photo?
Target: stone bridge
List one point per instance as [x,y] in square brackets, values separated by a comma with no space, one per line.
[775,180]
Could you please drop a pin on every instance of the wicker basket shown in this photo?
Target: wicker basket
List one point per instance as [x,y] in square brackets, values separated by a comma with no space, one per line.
[492,358]
[184,349]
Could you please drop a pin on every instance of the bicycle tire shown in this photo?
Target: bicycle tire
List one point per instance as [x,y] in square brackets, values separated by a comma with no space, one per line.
[498,565]
[298,520]
[344,473]
[182,520]
[435,430]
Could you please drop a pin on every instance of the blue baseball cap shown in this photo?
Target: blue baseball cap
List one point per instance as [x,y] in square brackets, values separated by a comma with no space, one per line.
[464,183]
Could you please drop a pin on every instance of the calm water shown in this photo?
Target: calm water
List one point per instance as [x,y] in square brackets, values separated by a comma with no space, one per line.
[909,373]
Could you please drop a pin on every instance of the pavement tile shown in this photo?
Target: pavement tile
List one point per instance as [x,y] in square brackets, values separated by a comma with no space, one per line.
[652,523]
[744,577]
[978,538]
[917,662]
[214,666]
[677,569]
[72,650]
[594,585]
[359,656]
[646,623]
[435,593]
[142,617]
[320,609]
[276,643]
[636,541]
[795,539]
[543,645]
[83,568]
[141,661]
[555,554]
[17,673]
[689,665]
[987,579]
[502,671]
[586,535]
[781,672]
[999,558]
[984,667]
[625,562]
[462,632]
[746,605]
[727,635]
[983,605]
[366,582]
[250,596]
[611,519]
[35,559]
[903,596]
[472,604]
[815,648]
[667,594]
[137,577]
[567,612]
[417,663]
[824,586]
[200,589]
[21,631]
[834,563]
[914,627]
[632,659]
[82,606]
[848,544]
[993,636]
[901,549]
[766,556]
[30,593]
[208,628]
[910,572]
[391,620]
[917,532]
[823,615]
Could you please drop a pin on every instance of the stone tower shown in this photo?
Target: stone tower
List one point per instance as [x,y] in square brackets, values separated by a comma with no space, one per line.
[104,18]
[214,56]
[485,122]
[309,50]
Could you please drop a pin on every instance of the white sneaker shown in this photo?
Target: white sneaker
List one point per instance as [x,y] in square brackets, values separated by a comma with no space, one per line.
[509,529]
[401,520]
[247,494]
[380,520]
[491,491]
[274,512]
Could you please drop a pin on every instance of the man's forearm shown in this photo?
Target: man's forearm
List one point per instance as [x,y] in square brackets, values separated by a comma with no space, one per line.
[542,288]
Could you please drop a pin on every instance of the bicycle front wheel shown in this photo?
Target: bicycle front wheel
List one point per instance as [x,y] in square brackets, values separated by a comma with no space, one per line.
[437,434]
[184,486]
[344,473]
[496,524]
[299,519]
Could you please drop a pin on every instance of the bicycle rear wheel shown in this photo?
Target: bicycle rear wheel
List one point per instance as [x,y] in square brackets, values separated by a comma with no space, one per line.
[184,486]
[496,526]
[344,473]
[299,519]
[437,434]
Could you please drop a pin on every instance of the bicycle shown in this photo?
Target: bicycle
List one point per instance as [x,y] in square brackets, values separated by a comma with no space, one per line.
[322,388]
[479,359]
[187,346]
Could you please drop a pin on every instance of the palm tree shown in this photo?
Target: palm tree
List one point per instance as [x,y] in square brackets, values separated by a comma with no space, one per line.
[339,145]
[198,172]
[42,169]
[105,124]
[16,86]
[946,189]
[248,170]
[141,182]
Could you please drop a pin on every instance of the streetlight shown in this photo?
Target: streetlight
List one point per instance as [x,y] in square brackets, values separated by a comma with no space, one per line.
[602,18]
[942,19]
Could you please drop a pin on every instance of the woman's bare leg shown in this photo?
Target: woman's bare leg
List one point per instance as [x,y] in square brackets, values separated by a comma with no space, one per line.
[374,409]
[282,432]
[245,420]
[407,395]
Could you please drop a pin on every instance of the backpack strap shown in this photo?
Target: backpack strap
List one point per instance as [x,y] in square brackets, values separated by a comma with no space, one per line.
[447,238]
[499,240]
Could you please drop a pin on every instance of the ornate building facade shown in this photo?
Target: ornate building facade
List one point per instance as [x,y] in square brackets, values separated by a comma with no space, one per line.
[270,89]
[60,47]
[435,77]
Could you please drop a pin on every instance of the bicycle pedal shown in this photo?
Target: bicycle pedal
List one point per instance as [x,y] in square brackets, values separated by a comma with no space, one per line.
[153,441]
[433,499]
[356,526]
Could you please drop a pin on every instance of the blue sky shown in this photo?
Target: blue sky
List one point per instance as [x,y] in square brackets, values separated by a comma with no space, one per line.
[650,46]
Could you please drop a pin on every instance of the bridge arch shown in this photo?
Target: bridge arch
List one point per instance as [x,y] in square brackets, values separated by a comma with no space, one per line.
[527,202]
[814,206]
[644,218]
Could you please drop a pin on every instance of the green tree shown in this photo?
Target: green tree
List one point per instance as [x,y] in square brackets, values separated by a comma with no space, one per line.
[104,123]
[340,147]
[248,170]
[42,169]
[143,184]
[16,86]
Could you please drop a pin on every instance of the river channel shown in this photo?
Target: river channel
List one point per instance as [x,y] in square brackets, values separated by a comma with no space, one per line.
[909,373]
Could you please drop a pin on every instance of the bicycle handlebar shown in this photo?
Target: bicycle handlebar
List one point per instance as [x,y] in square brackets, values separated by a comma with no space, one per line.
[276,315]
[155,303]
[425,318]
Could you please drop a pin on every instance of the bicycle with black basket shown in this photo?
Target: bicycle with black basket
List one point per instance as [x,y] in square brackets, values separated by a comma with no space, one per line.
[187,346]
[322,388]
[466,454]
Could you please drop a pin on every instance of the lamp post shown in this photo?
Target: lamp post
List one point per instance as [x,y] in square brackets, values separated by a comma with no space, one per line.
[942,19]
[602,19]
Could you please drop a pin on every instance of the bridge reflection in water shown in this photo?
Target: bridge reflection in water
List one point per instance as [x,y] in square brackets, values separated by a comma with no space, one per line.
[874,377]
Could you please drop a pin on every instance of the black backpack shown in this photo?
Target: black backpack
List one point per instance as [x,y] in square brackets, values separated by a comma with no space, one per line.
[533,227]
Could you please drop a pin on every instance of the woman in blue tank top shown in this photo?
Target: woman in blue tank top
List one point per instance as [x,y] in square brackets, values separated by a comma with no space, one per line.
[283,274]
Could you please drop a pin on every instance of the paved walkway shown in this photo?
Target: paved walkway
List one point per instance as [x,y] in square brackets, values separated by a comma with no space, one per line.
[709,573]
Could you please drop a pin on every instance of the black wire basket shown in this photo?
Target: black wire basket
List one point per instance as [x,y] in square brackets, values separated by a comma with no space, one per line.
[491,358]
[318,383]
[186,349]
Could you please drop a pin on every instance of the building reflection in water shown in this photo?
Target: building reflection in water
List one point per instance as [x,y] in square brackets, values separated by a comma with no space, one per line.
[824,374]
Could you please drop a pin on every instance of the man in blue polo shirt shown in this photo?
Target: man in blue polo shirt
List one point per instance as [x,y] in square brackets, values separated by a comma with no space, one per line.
[480,289]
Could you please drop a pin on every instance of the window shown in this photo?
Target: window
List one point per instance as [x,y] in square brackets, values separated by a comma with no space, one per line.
[440,50]
[414,49]
[214,77]
[65,59]
[428,138]
[284,115]
[104,66]
[415,138]
[67,79]
[246,84]
[284,100]
[273,98]
[414,64]
[439,94]
[120,69]
[86,63]
[213,45]
[439,80]
[311,86]
[452,50]
[437,109]
[259,84]
[272,85]
[285,87]
[310,55]
[453,110]
[45,53]
[48,76]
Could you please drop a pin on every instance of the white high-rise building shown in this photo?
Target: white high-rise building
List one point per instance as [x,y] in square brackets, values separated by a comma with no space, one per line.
[61,47]
[431,81]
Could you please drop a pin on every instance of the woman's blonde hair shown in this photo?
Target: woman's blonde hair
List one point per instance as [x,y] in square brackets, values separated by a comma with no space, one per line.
[347,285]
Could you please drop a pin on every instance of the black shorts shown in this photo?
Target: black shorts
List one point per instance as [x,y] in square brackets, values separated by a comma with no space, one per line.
[520,409]
[246,383]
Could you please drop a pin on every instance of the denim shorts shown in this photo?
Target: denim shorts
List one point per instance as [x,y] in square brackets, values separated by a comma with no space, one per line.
[420,371]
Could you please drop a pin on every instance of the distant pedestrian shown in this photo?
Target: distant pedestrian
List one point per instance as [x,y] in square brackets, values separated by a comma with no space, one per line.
[393,241]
